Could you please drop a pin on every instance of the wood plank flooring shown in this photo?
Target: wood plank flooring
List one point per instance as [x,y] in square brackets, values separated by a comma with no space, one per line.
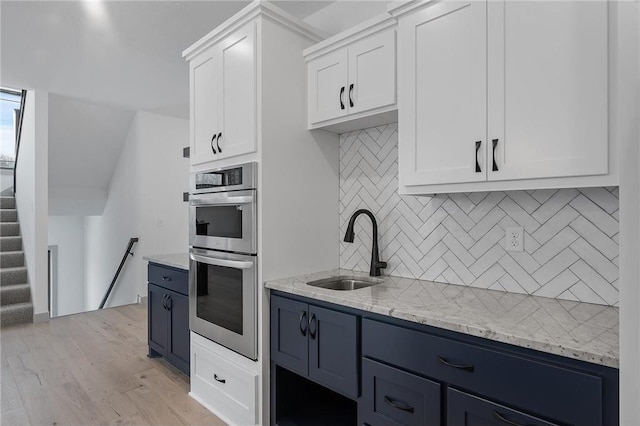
[92,369]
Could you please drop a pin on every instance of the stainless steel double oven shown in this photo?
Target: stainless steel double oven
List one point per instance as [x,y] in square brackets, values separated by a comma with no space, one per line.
[223,277]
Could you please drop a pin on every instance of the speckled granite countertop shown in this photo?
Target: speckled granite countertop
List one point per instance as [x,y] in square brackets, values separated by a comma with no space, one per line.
[178,260]
[576,330]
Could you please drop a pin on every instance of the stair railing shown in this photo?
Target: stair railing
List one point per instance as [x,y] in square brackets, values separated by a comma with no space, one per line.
[127,252]
[23,99]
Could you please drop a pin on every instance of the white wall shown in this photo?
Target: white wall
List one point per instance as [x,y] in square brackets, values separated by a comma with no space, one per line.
[32,196]
[76,200]
[341,15]
[145,201]
[67,233]
[627,122]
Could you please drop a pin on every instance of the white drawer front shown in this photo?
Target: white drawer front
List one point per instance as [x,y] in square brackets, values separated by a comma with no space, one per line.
[233,395]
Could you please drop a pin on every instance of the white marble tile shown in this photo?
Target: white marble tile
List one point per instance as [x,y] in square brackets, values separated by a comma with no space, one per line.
[603,220]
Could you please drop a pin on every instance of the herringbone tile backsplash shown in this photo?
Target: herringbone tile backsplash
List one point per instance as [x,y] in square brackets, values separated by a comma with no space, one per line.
[571,235]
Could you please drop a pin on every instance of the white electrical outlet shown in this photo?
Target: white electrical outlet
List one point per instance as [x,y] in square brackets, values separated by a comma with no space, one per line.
[514,239]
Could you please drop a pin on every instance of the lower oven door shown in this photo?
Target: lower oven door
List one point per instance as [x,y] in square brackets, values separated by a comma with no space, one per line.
[223,299]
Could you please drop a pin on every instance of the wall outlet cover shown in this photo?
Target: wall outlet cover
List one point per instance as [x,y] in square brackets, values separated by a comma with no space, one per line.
[514,238]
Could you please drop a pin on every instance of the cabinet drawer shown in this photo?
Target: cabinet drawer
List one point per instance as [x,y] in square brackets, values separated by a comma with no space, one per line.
[169,278]
[559,393]
[391,397]
[467,410]
[225,386]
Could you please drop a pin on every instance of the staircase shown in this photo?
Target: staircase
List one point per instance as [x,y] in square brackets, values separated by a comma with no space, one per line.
[15,294]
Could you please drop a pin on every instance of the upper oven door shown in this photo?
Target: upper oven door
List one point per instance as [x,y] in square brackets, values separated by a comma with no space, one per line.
[224,221]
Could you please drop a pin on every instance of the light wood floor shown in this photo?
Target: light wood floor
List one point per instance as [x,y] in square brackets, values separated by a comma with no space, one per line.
[92,369]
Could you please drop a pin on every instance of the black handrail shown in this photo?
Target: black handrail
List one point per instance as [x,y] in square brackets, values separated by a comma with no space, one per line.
[127,252]
[23,100]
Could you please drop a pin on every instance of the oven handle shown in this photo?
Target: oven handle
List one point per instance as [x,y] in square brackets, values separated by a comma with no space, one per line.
[212,200]
[239,264]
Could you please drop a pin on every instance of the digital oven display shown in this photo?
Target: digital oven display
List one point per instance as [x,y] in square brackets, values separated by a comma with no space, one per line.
[231,177]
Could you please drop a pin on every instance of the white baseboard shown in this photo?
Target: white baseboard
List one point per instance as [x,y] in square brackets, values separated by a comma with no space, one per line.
[41,317]
[142,300]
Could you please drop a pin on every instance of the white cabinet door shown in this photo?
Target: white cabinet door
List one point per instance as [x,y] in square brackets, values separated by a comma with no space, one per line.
[442,94]
[327,86]
[205,106]
[372,72]
[547,89]
[237,73]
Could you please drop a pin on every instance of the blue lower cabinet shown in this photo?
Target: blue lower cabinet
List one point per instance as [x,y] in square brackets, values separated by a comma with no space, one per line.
[318,343]
[168,316]
[393,397]
[467,410]
[568,395]
[401,373]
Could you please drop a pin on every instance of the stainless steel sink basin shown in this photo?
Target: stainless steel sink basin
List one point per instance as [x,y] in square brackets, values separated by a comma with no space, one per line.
[345,282]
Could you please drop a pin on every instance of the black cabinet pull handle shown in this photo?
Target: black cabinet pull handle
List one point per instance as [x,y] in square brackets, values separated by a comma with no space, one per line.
[478,145]
[312,333]
[495,145]
[213,139]
[218,379]
[166,278]
[504,419]
[303,323]
[341,93]
[164,301]
[218,142]
[468,368]
[398,404]
[350,91]
[169,302]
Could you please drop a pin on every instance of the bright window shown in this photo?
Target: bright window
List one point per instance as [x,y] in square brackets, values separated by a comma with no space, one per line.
[9,105]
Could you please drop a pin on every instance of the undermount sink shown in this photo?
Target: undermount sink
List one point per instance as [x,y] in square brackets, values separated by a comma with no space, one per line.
[344,282]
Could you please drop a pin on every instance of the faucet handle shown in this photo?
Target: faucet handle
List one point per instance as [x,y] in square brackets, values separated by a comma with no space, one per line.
[381,265]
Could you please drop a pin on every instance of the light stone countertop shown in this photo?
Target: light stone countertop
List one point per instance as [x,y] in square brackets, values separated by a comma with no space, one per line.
[576,330]
[177,260]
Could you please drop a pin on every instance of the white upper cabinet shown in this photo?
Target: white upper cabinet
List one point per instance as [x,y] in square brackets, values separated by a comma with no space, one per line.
[327,85]
[223,97]
[503,95]
[205,106]
[443,80]
[372,72]
[238,92]
[548,99]
[352,76]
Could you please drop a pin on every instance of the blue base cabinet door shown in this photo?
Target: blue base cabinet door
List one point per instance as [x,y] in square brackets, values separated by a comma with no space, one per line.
[158,319]
[289,342]
[333,349]
[467,410]
[178,351]
[393,397]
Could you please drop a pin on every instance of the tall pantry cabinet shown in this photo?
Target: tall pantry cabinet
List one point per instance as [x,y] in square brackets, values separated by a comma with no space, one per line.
[248,104]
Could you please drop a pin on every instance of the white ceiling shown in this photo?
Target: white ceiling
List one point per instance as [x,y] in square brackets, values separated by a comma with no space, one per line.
[101,61]
[118,53]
